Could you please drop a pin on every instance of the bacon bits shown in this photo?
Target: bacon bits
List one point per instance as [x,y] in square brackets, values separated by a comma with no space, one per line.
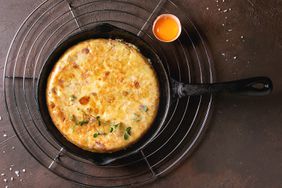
[84,100]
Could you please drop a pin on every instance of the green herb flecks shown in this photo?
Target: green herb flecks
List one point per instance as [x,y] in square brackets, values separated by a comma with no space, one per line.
[74,119]
[126,136]
[83,122]
[136,117]
[77,122]
[127,133]
[95,135]
[143,108]
[72,98]
[72,128]
[98,119]
[114,127]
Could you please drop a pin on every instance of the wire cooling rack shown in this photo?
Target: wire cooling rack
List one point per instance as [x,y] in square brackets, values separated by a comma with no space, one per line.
[186,60]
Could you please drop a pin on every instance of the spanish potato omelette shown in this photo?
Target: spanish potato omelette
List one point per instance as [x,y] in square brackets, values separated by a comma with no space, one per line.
[102,95]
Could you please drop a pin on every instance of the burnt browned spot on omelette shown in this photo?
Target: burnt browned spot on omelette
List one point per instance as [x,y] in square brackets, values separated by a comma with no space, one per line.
[107,73]
[52,105]
[75,65]
[102,95]
[61,82]
[85,50]
[136,84]
[61,115]
[125,93]
[54,91]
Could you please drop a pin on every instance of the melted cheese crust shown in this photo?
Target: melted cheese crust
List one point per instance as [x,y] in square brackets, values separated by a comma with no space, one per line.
[102,95]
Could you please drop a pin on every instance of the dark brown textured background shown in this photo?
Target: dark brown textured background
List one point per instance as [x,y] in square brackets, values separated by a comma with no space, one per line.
[243,145]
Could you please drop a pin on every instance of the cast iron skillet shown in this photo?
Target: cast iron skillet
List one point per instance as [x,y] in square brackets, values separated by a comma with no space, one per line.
[168,87]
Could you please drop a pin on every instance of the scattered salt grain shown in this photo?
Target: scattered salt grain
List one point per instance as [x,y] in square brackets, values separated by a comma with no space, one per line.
[207,8]
[242,37]
[0,118]
[12,178]
[6,186]
[223,1]
[4,135]
[23,170]
[229,30]
[13,147]
[12,165]
[225,17]
[3,151]
[222,24]
[235,57]
[219,9]
[5,180]
[225,10]
[223,54]
[10,169]
[2,174]
[227,40]
[17,173]
[229,9]
[21,179]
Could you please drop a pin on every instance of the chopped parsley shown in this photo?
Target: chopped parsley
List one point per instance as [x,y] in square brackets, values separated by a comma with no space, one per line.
[127,133]
[74,119]
[98,119]
[114,127]
[83,122]
[136,117]
[72,128]
[72,98]
[95,135]
[125,136]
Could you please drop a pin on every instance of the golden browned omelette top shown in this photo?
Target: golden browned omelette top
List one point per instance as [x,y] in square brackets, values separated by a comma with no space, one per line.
[102,95]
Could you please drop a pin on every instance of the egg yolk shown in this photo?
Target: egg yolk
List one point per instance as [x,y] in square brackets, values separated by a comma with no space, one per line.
[166,28]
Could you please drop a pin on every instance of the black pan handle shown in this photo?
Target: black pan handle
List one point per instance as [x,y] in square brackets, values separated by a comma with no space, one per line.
[257,86]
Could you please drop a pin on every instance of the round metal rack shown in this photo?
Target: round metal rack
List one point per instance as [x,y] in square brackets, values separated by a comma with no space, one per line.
[186,60]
